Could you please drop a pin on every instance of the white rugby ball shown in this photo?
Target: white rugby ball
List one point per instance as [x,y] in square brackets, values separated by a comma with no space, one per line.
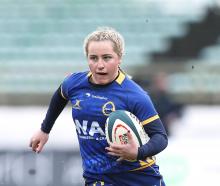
[119,123]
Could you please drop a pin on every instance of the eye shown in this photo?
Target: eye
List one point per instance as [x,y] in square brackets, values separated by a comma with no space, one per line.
[107,58]
[93,58]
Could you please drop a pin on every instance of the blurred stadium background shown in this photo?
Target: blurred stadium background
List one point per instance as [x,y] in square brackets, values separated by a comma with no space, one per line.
[41,41]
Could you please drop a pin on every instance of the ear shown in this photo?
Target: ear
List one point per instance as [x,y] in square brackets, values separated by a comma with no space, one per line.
[119,61]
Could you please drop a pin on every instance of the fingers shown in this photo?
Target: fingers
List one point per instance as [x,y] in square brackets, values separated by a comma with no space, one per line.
[34,145]
[40,147]
[37,145]
[114,153]
[115,146]
[112,150]
[116,150]
[123,151]
[129,136]
[120,159]
[38,141]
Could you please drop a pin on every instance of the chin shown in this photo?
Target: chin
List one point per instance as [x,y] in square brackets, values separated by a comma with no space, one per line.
[102,82]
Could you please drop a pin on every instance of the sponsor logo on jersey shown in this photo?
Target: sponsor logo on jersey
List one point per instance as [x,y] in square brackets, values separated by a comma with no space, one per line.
[95,96]
[77,104]
[108,108]
[88,94]
[86,131]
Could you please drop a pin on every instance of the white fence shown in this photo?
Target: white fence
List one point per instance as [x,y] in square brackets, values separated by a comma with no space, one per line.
[192,157]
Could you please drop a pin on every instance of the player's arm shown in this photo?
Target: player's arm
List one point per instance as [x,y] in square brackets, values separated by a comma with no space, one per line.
[144,109]
[158,139]
[57,104]
[157,142]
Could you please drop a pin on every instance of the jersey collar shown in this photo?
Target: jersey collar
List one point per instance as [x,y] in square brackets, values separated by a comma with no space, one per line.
[119,79]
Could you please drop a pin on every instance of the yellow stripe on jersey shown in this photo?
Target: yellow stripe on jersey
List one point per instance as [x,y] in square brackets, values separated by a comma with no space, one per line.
[147,161]
[96,183]
[62,93]
[120,78]
[89,74]
[145,122]
[144,164]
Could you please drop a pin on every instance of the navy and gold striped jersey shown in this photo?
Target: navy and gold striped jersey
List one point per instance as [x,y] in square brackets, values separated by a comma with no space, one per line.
[92,104]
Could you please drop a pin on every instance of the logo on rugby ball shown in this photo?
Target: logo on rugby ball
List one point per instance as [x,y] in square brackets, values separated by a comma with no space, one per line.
[119,123]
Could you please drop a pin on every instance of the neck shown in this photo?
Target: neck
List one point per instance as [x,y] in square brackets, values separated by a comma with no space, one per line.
[115,77]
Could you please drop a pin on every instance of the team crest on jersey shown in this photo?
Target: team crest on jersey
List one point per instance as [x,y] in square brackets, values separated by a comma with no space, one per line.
[77,104]
[108,108]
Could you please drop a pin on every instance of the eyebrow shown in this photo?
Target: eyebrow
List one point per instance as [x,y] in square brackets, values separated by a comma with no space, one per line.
[107,55]
[101,55]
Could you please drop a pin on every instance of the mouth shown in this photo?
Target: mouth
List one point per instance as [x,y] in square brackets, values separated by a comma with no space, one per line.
[101,73]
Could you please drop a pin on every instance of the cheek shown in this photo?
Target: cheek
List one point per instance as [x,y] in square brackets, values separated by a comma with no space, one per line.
[116,65]
[91,66]
[113,68]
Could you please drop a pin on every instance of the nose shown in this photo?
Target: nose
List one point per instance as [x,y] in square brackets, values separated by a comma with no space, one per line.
[101,64]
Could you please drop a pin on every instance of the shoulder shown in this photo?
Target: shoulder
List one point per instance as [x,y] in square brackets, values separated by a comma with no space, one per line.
[126,82]
[132,88]
[138,100]
[76,76]
[73,81]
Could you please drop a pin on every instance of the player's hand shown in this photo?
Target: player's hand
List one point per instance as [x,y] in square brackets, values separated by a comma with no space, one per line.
[127,151]
[38,141]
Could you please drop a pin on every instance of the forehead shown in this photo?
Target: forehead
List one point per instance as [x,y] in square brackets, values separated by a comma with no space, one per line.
[96,47]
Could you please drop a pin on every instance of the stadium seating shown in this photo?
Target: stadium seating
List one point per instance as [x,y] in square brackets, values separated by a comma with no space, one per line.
[42,41]
[211,53]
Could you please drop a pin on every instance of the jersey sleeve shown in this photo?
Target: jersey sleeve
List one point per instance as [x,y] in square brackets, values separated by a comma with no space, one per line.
[143,108]
[65,86]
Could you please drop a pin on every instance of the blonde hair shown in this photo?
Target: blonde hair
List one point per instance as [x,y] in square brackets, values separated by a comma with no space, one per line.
[106,34]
